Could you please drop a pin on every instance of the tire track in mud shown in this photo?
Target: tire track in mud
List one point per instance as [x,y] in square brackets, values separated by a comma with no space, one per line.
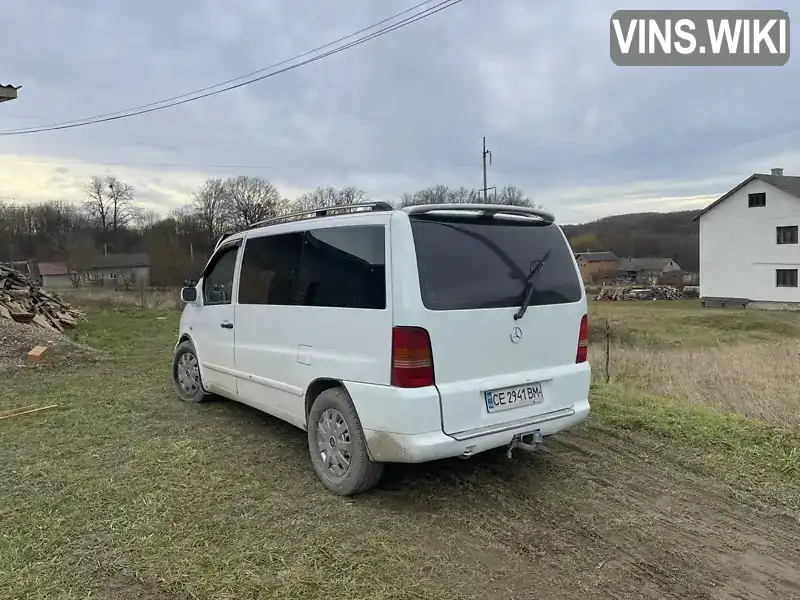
[606,515]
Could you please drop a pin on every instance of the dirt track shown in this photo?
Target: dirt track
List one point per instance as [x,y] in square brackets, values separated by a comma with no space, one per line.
[605,516]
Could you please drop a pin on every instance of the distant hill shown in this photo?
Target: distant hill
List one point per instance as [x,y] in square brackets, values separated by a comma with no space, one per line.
[641,235]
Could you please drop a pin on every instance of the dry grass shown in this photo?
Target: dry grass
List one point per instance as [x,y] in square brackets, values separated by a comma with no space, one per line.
[732,360]
[116,299]
[125,493]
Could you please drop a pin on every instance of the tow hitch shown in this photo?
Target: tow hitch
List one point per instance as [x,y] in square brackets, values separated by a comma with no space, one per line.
[530,442]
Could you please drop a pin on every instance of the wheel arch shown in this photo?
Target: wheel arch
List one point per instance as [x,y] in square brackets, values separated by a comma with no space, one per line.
[316,387]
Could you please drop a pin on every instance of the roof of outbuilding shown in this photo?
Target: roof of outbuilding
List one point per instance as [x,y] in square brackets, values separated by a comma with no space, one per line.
[53,269]
[596,256]
[788,183]
[643,264]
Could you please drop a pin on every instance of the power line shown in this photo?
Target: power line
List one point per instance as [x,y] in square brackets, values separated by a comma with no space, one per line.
[211,87]
[221,166]
[445,4]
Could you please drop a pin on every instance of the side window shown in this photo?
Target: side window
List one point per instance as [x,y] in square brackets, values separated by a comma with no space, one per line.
[218,278]
[344,267]
[269,269]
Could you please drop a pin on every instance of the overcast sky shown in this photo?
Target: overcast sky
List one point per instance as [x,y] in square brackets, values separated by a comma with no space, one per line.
[580,135]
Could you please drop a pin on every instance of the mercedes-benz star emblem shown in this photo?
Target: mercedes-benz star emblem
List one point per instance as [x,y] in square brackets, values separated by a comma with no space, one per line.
[516,334]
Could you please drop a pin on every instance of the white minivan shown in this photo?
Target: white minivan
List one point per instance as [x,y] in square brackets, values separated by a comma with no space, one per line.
[393,335]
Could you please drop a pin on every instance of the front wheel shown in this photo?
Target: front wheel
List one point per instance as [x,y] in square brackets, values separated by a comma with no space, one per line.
[186,374]
[338,447]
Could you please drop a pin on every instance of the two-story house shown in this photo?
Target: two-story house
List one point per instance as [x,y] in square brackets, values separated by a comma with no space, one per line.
[749,251]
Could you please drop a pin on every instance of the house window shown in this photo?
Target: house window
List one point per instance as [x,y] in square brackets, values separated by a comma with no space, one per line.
[786,277]
[112,276]
[787,234]
[757,200]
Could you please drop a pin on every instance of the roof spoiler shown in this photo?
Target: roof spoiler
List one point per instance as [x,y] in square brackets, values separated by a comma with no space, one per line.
[488,210]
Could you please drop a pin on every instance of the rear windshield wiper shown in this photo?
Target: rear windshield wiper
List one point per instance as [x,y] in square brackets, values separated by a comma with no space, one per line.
[529,287]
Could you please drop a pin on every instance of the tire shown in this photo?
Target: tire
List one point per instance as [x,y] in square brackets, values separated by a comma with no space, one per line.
[186,375]
[333,424]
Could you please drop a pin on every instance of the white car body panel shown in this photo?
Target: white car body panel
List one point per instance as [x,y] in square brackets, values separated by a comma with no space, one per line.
[274,353]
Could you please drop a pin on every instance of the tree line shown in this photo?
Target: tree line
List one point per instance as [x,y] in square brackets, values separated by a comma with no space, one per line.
[109,220]
[668,235]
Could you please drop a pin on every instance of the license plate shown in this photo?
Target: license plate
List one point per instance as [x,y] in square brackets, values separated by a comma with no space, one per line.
[513,397]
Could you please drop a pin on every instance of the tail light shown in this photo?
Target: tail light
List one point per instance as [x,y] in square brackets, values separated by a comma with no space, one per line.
[583,340]
[412,358]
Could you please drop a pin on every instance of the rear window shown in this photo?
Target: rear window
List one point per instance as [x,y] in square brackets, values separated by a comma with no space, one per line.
[469,263]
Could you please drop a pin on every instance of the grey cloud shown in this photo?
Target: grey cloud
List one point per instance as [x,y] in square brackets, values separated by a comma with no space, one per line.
[403,111]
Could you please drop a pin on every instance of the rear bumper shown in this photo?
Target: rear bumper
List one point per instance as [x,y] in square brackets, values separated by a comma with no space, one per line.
[423,447]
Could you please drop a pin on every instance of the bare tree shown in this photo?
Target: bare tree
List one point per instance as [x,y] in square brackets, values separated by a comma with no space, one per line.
[146,220]
[465,196]
[437,194]
[96,203]
[110,203]
[251,199]
[513,196]
[441,194]
[329,197]
[210,209]
[120,197]
[80,249]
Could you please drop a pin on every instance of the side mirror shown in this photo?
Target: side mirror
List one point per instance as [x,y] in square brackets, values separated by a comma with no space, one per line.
[189,294]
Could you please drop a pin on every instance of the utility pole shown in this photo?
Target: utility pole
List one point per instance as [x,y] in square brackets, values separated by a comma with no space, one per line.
[486,187]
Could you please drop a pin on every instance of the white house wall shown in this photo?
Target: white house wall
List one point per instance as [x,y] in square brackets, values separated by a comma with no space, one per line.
[57,282]
[738,249]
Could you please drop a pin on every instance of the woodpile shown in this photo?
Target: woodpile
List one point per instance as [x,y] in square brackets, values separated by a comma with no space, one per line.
[23,301]
[656,292]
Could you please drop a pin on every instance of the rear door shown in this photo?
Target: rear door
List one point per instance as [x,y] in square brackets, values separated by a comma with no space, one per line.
[491,368]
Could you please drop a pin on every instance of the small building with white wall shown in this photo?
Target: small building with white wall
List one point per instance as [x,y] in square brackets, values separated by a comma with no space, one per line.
[749,250]
[116,271]
[55,276]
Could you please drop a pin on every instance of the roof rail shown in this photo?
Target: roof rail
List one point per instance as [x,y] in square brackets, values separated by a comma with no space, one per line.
[323,212]
[316,212]
[487,209]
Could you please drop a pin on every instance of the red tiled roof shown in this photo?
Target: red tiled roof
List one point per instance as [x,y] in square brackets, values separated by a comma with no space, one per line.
[53,269]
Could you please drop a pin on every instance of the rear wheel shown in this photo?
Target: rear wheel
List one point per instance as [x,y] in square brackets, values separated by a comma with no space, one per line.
[186,374]
[338,447]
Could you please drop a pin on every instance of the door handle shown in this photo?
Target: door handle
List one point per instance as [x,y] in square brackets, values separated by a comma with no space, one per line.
[226,325]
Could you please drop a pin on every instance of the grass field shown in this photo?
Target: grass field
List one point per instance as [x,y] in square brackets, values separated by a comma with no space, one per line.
[744,361]
[123,492]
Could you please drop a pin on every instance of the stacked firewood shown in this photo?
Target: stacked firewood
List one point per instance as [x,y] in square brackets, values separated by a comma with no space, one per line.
[23,301]
[656,292]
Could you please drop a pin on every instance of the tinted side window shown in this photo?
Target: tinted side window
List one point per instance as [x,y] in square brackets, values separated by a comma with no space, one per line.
[269,269]
[470,264]
[218,278]
[344,267]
